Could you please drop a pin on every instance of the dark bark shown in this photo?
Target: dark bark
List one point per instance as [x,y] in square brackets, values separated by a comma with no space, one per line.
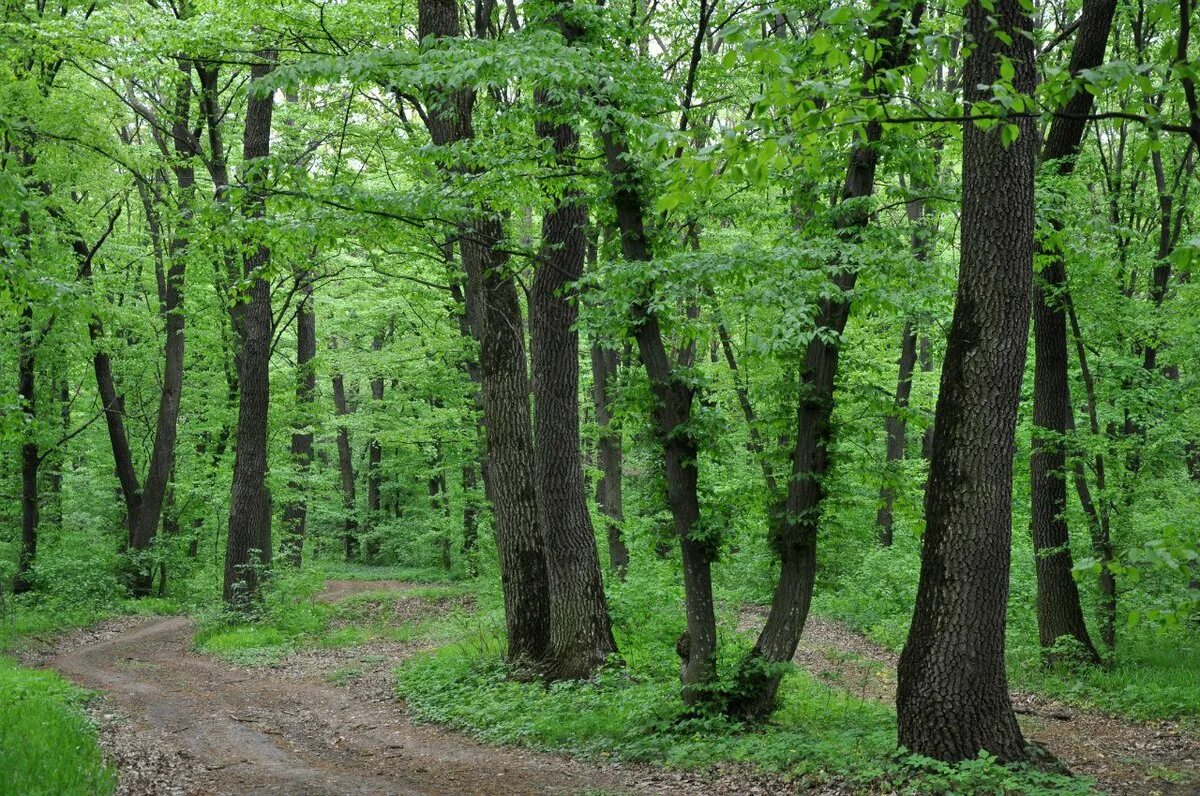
[673,398]
[1058,608]
[609,489]
[248,543]
[504,378]
[796,541]
[952,698]
[374,461]
[346,469]
[581,638]
[295,512]
[896,426]
[26,386]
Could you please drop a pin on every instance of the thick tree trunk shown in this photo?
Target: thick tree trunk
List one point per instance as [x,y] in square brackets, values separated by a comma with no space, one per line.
[505,381]
[248,543]
[672,414]
[26,385]
[295,512]
[896,426]
[346,469]
[608,490]
[581,638]
[952,699]
[1059,611]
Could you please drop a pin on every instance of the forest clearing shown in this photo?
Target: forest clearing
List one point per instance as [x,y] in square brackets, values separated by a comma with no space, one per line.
[599,397]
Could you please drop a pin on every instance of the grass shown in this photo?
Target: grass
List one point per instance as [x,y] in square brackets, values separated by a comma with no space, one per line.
[819,734]
[47,744]
[293,618]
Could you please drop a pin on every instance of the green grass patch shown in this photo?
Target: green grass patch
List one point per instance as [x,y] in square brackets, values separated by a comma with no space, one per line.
[342,570]
[47,744]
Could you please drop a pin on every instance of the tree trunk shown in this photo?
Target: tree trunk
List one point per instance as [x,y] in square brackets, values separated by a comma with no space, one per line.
[759,677]
[374,460]
[896,425]
[581,638]
[504,379]
[952,699]
[1059,611]
[248,543]
[295,512]
[672,414]
[608,490]
[26,385]
[346,469]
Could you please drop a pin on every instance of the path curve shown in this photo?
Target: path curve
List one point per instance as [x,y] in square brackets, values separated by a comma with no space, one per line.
[245,732]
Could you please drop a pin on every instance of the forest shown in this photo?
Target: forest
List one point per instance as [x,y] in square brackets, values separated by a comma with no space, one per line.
[599,397]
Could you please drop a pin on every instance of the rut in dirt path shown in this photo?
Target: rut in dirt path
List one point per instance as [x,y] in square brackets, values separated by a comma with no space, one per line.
[1125,758]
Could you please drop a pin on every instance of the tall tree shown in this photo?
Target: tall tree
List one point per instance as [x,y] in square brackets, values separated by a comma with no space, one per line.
[248,546]
[295,511]
[952,699]
[503,371]
[581,638]
[1059,611]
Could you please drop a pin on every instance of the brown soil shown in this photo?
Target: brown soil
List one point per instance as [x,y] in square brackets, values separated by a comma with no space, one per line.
[320,722]
[1125,758]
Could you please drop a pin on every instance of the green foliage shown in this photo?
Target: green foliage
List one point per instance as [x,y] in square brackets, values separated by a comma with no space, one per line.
[47,744]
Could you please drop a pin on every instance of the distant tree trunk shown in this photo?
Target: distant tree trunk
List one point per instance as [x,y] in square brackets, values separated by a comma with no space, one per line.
[952,699]
[248,543]
[374,461]
[896,425]
[925,357]
[581,638]
[295,512]
[26,385]
[504,379]
[1059,611]
[608,491]
[346,469]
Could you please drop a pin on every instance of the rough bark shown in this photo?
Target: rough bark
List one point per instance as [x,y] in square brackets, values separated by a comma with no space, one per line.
[896,426]
[581,638]
[295,512]
[504,379]
[1059,611]
[247,549]
[952,698]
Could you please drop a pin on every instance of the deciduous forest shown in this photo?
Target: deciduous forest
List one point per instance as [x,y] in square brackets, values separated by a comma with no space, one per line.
[599,396]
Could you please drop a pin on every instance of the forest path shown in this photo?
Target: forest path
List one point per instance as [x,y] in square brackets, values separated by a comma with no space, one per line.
[179,722]
[1123,757]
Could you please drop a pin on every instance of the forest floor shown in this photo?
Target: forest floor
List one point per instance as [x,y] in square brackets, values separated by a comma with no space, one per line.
[320,721]
[327,720]
[1124,757]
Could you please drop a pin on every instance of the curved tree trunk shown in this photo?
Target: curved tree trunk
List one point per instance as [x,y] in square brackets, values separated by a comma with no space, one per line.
[26,385]
[952,699]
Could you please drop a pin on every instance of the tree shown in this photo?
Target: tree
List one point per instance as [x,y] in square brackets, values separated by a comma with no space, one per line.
[952,700]
[249,542]
[1058,608]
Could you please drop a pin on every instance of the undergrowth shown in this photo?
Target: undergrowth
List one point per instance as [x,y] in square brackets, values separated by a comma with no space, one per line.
[47,744]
